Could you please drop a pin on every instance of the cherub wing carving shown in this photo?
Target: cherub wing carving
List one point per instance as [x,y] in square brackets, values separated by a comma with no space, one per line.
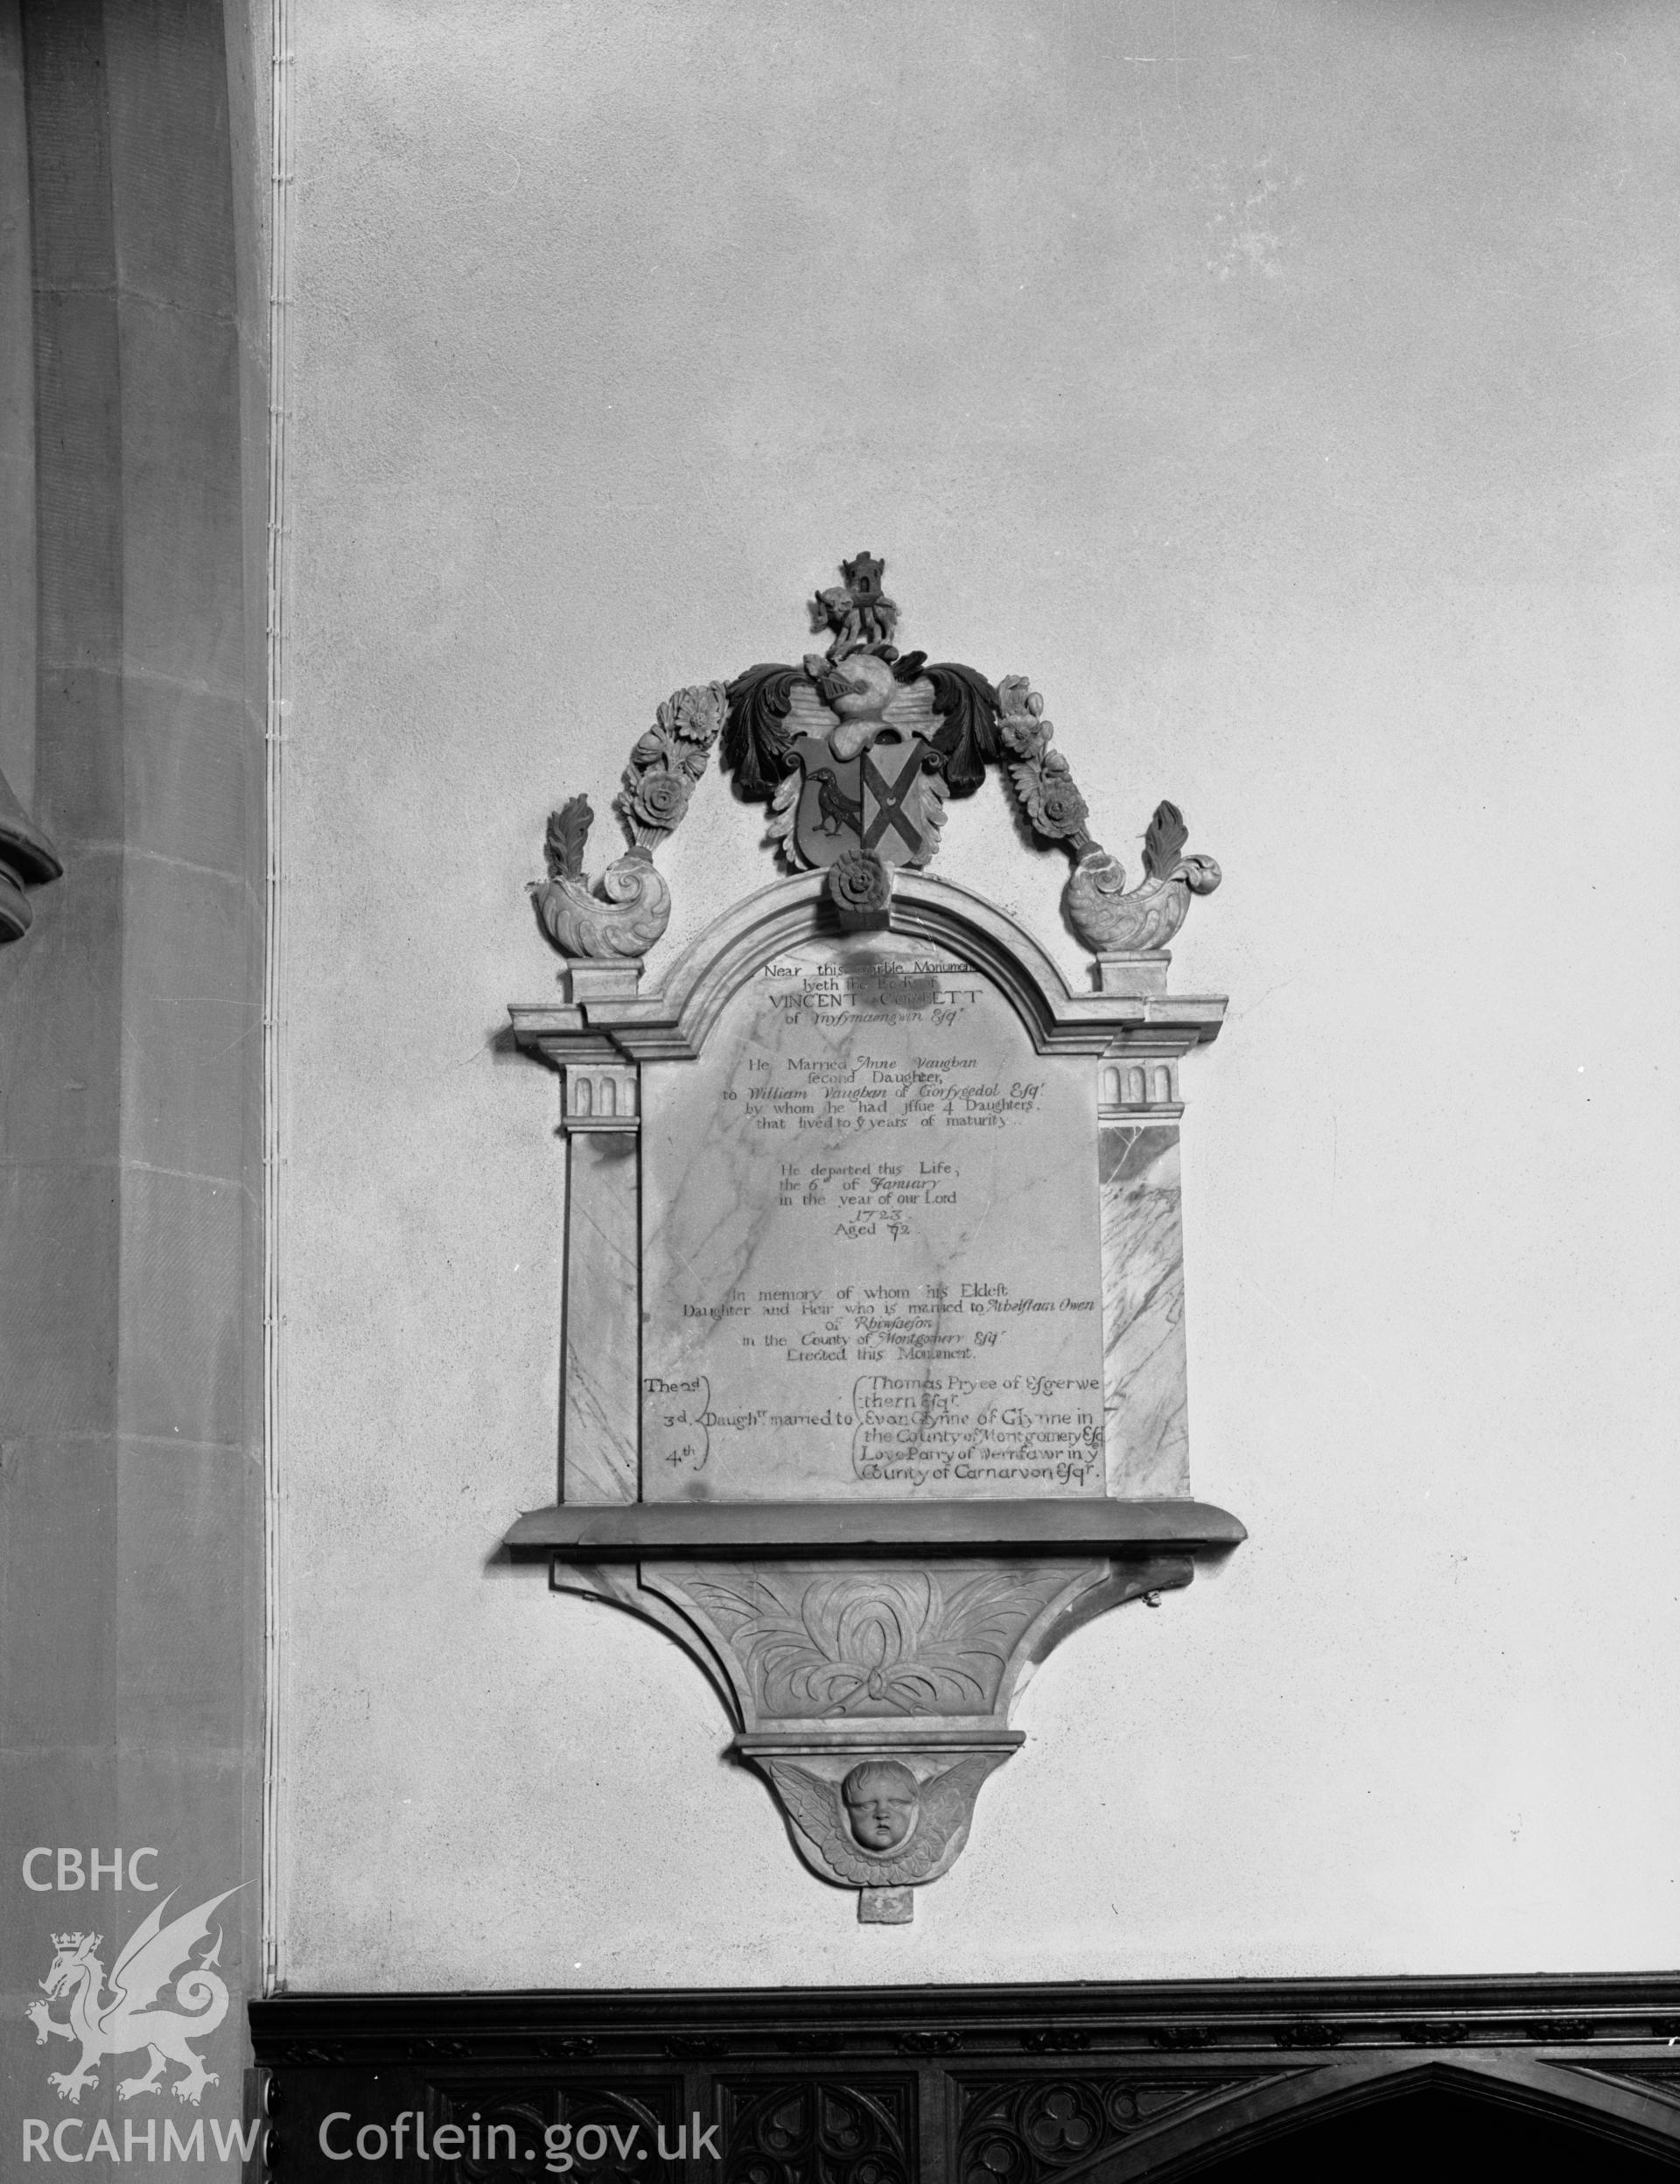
[948,1799]
[816,1807]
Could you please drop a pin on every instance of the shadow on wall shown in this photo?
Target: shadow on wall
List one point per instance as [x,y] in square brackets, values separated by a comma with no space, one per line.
[1439,2128]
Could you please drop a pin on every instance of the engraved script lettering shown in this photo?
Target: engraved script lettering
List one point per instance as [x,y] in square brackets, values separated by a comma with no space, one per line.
[872,1263]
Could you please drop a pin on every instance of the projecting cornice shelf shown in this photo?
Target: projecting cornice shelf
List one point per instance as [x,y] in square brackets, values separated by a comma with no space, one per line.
[633,1530]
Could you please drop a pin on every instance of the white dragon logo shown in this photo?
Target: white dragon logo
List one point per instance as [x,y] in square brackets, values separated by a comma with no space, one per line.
[153,1957]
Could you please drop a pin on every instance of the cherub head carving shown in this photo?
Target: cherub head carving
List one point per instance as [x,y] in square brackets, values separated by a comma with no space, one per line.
[883,1800]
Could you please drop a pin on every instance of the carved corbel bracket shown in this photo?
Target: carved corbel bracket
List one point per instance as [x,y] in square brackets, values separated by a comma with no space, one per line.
[873,1696]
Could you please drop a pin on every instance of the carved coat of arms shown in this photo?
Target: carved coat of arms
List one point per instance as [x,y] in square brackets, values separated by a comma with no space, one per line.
[863,775]
[856,751]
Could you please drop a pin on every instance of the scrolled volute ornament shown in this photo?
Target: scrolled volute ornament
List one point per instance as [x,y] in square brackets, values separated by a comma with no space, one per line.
[860,887]
[628,909]
[625,917]
[1112,922]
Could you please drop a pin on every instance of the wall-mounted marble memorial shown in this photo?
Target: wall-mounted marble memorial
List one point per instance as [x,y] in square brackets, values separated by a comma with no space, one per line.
[874,1369]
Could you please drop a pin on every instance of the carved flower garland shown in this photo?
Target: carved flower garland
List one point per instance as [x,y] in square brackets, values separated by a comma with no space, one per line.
[1053,802]
[667,761]
[1109,920]
[656,801]
[1042,779]
[629,910]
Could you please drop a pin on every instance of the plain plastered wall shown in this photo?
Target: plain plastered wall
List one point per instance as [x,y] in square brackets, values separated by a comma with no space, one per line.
[1289,391]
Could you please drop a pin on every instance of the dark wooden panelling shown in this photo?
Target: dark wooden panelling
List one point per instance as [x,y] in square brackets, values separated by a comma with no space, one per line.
[965,2085]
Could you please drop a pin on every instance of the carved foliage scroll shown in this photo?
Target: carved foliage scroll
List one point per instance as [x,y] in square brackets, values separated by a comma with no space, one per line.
[879,1643]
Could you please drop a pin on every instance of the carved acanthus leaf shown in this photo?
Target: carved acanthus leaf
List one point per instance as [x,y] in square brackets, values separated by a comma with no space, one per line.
[900,1642]
[1163,842]
[567,837]
[931,814]
[779,827]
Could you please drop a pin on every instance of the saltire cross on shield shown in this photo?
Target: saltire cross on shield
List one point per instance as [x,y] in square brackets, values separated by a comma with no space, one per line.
[870,801]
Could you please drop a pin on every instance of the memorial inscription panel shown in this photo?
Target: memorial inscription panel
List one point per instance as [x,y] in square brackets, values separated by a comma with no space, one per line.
[871,1262]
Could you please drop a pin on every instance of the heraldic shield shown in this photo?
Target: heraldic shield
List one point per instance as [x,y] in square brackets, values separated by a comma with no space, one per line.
[879,800]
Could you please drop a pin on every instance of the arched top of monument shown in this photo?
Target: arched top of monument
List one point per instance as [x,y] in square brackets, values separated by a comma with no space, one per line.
[672,1019]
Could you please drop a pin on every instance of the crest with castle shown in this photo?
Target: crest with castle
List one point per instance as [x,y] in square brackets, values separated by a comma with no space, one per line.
[857,751]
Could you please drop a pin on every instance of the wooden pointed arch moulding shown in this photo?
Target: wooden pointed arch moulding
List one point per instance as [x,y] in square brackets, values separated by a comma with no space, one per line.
[874,1368]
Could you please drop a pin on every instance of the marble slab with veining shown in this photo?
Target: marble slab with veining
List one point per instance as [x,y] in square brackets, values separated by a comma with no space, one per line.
[871,1243]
